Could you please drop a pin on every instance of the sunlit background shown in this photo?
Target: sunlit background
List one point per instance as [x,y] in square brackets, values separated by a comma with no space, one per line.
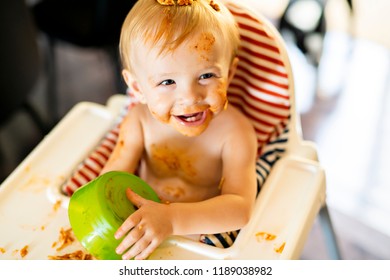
[341,61]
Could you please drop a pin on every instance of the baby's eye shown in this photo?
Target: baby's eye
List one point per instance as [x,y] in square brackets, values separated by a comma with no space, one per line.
[167,82]
[206,76]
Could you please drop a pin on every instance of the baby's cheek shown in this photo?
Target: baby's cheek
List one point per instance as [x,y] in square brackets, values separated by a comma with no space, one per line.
[160,115]
[218,99]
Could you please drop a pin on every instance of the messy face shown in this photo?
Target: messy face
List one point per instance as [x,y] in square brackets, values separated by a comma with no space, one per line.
[185,88]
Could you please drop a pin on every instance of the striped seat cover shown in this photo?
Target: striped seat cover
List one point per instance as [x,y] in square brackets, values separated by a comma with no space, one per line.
[260,89]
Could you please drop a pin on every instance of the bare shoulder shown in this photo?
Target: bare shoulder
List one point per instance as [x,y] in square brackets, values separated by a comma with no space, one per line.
[234,131]
[134,115]
[133,123]
[138,110]
[238,123]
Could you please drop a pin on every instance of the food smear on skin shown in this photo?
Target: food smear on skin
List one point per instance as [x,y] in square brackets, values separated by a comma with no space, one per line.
[204,45]
[226,104]
[219,99]
[169,161]
[221,183]
[175,192]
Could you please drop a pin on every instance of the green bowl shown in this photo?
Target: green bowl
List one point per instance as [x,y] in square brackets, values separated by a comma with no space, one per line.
[98,209]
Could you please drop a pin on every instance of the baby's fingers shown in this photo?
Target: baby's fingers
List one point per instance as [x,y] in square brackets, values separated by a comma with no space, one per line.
[141,250]
[134,198]
[134,236]
[147,251]
[127,225]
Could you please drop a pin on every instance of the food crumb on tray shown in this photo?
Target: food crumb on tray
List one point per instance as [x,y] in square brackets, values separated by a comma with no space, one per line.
[24,251]
[65,239]
[265,236]
[77,255]
[280,248]
[57,205]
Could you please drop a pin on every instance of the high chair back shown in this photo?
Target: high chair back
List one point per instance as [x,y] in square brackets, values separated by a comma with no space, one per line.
[291,182]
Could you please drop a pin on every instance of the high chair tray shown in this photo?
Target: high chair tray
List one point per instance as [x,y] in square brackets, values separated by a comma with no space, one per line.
[33,212]
[32,209]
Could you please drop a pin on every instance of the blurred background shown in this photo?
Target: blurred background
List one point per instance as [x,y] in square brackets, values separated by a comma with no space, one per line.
[56,53]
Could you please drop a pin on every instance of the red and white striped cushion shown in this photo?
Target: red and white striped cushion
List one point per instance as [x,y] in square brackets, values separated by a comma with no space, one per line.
[93,164]
[260,87]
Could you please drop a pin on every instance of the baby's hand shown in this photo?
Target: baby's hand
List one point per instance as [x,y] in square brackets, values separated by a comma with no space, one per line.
[146,228]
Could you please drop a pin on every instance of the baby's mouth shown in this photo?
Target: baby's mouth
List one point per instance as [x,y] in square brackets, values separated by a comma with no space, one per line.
[193,119]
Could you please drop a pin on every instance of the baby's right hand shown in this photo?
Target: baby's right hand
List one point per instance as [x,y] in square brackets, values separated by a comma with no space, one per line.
[146,228]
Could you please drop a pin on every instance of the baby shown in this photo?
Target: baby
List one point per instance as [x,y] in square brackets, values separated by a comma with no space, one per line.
[183,139]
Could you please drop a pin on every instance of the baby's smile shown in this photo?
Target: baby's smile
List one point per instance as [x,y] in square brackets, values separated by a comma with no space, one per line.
[191,123]
[193,119]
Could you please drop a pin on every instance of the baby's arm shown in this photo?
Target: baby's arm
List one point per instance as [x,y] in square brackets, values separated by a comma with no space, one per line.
[129,147]
[233,208]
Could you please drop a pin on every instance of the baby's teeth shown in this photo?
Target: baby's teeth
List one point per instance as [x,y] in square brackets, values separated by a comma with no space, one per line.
[191,119]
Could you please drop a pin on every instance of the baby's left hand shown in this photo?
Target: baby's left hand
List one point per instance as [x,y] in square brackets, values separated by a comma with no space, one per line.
[146,228]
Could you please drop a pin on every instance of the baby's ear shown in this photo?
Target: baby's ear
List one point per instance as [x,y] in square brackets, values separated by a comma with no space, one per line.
[133,85]
[232,69]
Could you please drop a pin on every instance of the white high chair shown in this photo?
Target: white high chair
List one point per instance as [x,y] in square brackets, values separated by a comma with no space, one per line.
[33,206]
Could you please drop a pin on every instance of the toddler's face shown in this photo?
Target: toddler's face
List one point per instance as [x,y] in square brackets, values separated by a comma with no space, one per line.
[185,88]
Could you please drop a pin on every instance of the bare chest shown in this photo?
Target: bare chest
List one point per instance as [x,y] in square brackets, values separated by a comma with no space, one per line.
[182,172]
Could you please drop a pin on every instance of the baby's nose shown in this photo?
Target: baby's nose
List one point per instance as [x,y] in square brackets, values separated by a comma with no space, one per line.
[191,95]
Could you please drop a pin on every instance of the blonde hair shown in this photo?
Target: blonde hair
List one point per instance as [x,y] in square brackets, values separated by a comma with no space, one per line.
[166,27]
